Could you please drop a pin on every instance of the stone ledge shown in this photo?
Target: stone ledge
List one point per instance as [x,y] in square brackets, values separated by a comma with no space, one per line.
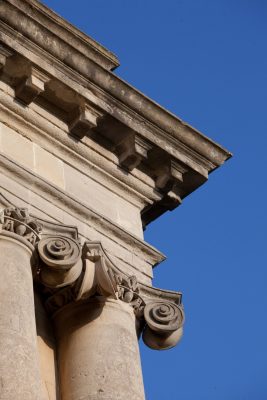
[128,100]
[70,39]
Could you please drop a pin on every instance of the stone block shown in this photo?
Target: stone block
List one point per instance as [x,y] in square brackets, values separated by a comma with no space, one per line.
[48,166]
[16,146]
[103,200]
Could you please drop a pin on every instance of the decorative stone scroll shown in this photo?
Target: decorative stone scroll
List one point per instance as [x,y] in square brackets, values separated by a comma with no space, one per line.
[59,252]
[163,316]
[61,261]
[18,221]
[164,321]
[69,274]
[75,281]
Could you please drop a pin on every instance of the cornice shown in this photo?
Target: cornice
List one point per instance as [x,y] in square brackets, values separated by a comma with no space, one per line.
[69,38]
[102,106]
[51,135]
[146,117]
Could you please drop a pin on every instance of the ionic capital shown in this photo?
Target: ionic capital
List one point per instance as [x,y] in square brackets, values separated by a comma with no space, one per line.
[159,313]
[67,272]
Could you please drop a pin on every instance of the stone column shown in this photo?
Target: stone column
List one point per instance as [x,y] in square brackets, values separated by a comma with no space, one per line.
[19,363]
[98,351]
[97,343]
[47,350]
[98,313]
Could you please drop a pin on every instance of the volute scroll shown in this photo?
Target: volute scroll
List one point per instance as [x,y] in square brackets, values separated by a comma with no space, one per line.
[164,324]
[61,263]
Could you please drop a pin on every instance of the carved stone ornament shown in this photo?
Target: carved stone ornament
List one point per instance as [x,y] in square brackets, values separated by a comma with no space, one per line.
[163,316]
[98,275]
[164,321]
[80,281]
[129,292]
[65,279]
[59,252]
[61,261]
[18,221]
[108,279]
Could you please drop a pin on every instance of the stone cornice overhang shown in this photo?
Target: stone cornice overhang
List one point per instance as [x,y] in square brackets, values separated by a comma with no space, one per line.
[68,36]
[175,155]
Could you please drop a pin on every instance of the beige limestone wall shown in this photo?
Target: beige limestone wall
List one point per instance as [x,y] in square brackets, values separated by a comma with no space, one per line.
[59,173]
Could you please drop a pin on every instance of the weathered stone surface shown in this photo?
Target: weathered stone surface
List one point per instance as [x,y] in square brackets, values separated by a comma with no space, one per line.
[86,99]
[98,351]
[86,162]
[47,350]
[31,86]
[19,358]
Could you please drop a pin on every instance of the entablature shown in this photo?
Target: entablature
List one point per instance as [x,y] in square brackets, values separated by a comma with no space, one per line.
[93,102]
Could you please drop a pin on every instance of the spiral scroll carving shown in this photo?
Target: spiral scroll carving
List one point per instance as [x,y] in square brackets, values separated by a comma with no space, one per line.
[61,261]
[59,252]
[163,316]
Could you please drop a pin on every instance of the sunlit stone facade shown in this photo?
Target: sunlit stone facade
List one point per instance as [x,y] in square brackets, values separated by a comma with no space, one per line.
[87,161]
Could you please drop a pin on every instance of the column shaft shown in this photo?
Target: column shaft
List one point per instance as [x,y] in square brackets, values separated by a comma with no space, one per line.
[47,350]
[19,363]
[98,351]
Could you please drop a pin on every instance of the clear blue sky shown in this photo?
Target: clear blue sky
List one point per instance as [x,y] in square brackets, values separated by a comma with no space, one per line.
[206,61]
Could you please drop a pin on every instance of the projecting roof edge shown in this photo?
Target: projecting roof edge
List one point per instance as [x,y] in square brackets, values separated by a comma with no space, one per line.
[66,32]
[89,66]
